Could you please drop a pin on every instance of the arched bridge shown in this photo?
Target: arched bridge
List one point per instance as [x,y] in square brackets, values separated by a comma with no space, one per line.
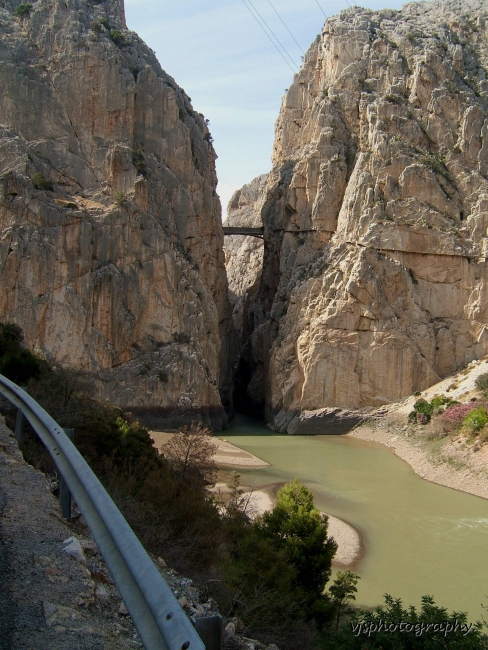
[250,232]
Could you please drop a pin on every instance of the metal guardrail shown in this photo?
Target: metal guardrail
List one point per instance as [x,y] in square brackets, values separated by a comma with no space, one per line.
[157,615]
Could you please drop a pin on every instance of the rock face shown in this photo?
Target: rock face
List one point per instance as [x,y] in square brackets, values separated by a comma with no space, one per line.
[376,211]
[244,262]
[111,254]
[244,254]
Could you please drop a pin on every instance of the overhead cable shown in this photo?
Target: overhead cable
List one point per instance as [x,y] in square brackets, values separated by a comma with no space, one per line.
[268,35]
[317,1]
[269,1]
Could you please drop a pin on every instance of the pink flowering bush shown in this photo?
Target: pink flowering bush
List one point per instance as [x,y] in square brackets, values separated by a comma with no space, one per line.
[455,414]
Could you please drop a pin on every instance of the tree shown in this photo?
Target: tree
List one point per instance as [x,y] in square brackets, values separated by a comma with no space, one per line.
[296,526]
[190,451]
[342,590]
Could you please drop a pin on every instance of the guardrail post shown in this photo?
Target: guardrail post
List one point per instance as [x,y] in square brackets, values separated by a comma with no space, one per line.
[64,493]
[210,630]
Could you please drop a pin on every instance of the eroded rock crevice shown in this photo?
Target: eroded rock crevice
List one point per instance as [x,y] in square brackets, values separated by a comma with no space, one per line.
[375,216]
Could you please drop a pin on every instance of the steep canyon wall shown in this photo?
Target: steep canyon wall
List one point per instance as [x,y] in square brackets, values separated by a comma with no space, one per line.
[374,282]
[111,253]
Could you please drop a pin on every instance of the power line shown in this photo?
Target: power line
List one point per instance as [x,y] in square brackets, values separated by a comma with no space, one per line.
[317,1]
[274,35]
[267,34]
[269,1]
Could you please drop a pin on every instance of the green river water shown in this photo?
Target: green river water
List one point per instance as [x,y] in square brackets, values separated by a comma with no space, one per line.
[419,538]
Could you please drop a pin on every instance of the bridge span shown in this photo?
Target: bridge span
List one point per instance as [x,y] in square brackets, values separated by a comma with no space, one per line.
[250,232]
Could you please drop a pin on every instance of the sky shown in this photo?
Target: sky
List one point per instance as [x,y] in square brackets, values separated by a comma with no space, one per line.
[218,53]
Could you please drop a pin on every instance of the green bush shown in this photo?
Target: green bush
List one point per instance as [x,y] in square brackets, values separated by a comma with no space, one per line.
[476,420]
[380,630]
[23,10]
[117,37]
[104,22]
[179,337]
[41,183]
[138,159]
[436,163]
[16,362]
[20,366]
[11,338]
[482,381]
[96,26]
[423,406]
[439,400]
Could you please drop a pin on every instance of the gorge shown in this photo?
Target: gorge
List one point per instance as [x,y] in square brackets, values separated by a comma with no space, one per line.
[369,286]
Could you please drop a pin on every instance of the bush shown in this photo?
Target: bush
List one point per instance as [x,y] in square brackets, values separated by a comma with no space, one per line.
[23,10]
[138,157]
[388,635]
[104,22]
[457,412]
[436,163]
[482,381]
[42,183]
[179,337]
[96,26]
[120,198]
[16,362]
[475,420]
[21,366]
[117,37]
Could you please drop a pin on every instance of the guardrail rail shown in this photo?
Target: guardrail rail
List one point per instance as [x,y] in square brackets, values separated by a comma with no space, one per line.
[158,617]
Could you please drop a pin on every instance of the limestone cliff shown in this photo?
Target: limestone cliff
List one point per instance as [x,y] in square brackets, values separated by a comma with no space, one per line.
[111,253]
[244,254]
[375,212]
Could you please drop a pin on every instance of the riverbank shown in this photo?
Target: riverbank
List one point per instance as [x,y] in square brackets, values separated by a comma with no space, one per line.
[229,458]
[226,453]
[350,547]
[449,461]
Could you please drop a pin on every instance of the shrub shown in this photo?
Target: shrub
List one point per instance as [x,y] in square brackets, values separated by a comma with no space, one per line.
[120,198]
[439,400]
[436,163]
[41,183]
[11,338]
[163,376]
[104,22]
[138,160]
[179,337]
[96,26]
[423,406]
[23,10]
[394,99]
[387,635]
[422,418]
[475,420]
[482,381]
[457,412]
[117,37]
[16,362]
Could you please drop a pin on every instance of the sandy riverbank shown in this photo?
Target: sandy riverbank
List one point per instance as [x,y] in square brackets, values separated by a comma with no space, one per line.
[457,465]
[228,457]
[226,453]
[457,473]
[349,540]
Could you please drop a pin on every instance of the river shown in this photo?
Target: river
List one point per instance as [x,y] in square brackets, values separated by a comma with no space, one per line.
[420,538]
